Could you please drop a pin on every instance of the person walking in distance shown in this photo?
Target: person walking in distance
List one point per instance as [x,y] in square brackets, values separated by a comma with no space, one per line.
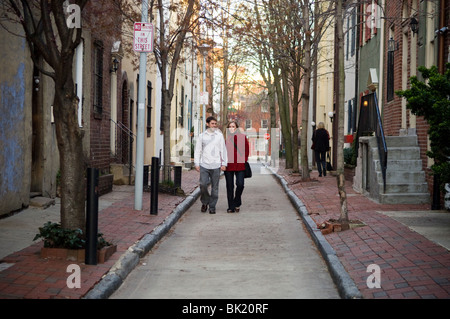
[238,151]
[210,157]
[321,142]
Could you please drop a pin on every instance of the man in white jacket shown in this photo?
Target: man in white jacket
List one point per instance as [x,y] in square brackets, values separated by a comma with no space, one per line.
[210,157]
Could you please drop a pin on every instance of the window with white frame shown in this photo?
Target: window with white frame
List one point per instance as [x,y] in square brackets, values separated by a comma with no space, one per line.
[264,123]
[98,77]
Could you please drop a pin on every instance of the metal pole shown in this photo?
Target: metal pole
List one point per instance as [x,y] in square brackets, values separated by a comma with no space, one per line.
[138,184]
[91,217]
[204,90]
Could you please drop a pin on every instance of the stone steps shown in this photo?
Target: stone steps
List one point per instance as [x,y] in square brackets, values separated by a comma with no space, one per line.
[401,141]
[121,174]
[41,202]
[405,198]
[399,165]
[405,179]
[405,188]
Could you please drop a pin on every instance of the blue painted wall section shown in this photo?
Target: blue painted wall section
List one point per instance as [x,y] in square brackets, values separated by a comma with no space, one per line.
[12,133]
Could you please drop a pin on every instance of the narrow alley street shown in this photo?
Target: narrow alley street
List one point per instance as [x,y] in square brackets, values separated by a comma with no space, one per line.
[263,251]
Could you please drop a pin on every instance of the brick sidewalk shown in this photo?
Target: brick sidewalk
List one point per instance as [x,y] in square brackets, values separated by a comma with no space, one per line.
[411,265]
[32,277]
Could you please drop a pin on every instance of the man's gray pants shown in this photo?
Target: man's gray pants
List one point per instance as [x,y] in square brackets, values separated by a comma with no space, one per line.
[209,176]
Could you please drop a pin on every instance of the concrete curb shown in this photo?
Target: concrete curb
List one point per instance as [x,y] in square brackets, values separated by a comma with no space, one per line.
[345,284]
[130,259]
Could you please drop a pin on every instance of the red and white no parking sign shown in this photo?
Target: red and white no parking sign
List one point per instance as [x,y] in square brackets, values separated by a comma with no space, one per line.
[143,37]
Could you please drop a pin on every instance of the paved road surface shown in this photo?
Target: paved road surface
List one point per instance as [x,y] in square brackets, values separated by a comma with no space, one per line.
[261,252]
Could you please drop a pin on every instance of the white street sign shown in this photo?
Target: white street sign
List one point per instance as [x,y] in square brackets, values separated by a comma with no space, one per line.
[143,37]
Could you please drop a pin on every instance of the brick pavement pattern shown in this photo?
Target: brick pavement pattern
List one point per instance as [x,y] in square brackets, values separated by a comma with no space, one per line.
[32,277]
[411,265]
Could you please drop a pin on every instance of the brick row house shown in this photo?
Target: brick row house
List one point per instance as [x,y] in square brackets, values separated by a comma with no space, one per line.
[29,162]
[106,73]
[251,111]
[385,43]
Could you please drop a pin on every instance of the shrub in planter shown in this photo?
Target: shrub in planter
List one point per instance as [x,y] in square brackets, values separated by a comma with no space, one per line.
[57,237]
[68,243]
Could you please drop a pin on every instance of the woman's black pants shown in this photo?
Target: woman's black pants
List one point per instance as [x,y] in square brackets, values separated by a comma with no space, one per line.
[234,198]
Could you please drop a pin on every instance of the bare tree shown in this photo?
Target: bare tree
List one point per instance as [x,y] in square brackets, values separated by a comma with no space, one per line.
[167,53]
[284,34]
[174,20]
[313,28]
[341,113]
[51,40]
[229,58]
[269,35]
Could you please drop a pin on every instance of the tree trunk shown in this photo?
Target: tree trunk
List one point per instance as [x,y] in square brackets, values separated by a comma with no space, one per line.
[287,115]
[294,124]
[305,97]
[340,115]
[72,161]
[283,104]
[272,106]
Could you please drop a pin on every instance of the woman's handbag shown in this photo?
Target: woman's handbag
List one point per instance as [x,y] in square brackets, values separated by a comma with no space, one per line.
[329,167]
[248,170]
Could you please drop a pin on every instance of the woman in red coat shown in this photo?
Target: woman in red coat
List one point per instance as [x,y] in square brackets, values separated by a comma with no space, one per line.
[237,150]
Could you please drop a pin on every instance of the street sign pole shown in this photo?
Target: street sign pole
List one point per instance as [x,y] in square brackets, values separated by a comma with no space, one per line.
[204,90]
[138,183]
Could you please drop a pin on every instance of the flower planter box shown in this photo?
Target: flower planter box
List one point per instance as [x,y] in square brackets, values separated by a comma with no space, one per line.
[77,255]
[106,252]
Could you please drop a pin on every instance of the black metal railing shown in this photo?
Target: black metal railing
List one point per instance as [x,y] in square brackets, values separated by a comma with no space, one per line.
[370,122]
[169,178]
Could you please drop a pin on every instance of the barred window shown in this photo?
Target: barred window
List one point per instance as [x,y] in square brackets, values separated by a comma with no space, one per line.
[98,77]
[183,100]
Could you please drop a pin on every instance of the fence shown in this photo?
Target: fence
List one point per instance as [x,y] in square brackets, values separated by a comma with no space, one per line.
[169,177]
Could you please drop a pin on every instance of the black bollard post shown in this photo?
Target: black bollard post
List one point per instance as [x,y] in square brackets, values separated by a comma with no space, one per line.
[145,177]
[154,186]
[91,217]
[177,176]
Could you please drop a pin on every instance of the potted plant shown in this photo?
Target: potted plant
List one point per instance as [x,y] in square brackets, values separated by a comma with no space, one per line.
[70,243]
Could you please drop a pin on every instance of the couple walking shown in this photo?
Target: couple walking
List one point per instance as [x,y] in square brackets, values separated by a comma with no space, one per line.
[214,154]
